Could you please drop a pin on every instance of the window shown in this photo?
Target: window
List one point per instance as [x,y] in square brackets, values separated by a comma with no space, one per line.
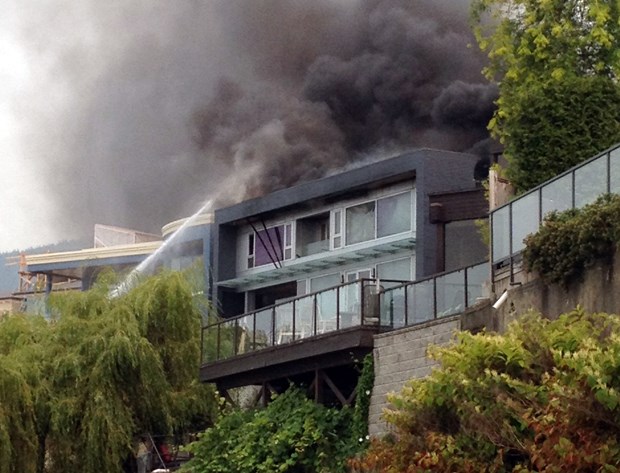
[312,235]
[360,223]
[398,270]
[394,215]
[377,219]
[270,246]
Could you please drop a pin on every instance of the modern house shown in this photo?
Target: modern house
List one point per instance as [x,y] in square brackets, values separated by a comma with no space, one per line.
[298,273]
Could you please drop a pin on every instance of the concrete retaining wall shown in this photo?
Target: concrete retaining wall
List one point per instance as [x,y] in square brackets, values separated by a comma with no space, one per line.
[599,291]
[401,355]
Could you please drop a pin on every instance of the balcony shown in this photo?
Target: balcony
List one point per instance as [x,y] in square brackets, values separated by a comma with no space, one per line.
[329,328]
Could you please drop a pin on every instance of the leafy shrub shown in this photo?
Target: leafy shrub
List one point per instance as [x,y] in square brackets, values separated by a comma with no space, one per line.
[543,397]
[571,241]
[292,434]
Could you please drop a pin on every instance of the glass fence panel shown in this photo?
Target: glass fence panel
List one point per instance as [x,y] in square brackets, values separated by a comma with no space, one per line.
[477,279]
[264,329]
[524,219]
[393,307]
[245,334]
[501,235]
[285,332]
[304,317]
[450,293]
[350,304]
[420,302]
[209,344]
[370,306]
[227,339]
[614,171]
[590,181]
[326,311]
[557,195]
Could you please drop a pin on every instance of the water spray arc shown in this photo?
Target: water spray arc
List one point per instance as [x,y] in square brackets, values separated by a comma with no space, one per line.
[134,276]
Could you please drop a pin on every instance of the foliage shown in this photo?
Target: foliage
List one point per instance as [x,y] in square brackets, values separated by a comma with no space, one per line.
[557,64]
[569,242]
[103,370]
[366,381]
[543,397]
[293,434]
[554,126]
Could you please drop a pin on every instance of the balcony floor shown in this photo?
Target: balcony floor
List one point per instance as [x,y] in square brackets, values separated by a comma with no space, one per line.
[329,350]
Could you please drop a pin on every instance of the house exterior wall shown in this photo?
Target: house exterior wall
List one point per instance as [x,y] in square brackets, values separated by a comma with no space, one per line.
[432,171]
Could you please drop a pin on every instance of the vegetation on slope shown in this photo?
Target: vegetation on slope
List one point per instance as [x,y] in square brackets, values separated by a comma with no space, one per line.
[292,434]
[543,397]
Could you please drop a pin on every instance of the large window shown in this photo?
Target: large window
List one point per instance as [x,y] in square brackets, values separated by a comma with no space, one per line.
[378,218]
[394,214]
[360,223]
[270,246]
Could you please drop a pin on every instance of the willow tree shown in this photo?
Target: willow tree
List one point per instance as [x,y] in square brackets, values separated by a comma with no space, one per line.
[23,393]
[108,369]
[556,63]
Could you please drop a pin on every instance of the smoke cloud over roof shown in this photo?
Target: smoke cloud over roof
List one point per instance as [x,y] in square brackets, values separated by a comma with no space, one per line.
[134,113]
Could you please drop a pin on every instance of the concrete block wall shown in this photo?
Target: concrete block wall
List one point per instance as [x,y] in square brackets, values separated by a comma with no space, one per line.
[401,355]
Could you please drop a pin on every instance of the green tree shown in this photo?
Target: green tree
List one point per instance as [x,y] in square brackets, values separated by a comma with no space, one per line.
[101,371]
[543,397]
[557,64]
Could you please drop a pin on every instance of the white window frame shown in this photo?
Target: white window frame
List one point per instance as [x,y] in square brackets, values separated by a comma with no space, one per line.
[343,222]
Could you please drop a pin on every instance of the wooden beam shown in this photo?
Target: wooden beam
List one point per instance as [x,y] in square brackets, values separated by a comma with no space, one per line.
[334,389]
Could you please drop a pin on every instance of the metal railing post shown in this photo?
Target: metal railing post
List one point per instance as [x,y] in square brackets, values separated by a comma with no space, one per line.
[434,298]
[406,299]
[273,326]
[466,287]
[338,307]
[294,317]
[314,313]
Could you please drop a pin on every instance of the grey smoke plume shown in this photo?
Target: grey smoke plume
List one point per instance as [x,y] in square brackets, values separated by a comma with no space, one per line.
[144,110]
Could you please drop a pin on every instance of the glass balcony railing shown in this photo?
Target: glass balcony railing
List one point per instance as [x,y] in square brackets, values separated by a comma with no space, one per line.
[432,298]
[349,305]
[575,188]
[381,303]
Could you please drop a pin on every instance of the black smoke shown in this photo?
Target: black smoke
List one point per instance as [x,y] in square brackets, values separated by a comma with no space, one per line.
[145,109]
[338,83]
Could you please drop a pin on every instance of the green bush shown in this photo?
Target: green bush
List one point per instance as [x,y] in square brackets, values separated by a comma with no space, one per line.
[292,434]
[569,242]
[543,397]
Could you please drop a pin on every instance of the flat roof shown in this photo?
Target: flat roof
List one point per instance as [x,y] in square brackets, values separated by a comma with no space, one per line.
[72,263]
[395,168]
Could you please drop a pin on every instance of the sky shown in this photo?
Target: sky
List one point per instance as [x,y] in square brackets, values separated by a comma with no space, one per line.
[135,112]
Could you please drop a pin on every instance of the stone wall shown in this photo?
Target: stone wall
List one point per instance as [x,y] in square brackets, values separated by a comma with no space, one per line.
[599,291]
[401,355]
